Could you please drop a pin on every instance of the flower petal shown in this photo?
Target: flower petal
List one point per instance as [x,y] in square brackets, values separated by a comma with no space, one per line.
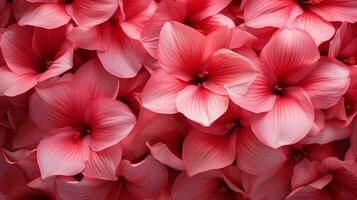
[62,154]
[88,13]
[12,84]
[202,152]
[110,121]
[103,164]
[201,9]
[327,83]
[289,121]
[201,105]
[163,154]
[160,92]
[145,179]
[227,68]
[181,52]
[344,9]
[289,56]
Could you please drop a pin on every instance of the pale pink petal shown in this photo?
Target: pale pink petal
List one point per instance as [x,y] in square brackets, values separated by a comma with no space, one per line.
[124,56]
[110,121]
[265,13]
[200,105]
[160,97]
[103,164]
[227,68]
[202,186]
[16,46]
[289,56]
[202,152]
[133,26]
[90,189]
[145,179]
[328,134]
[181,52]
[91,38]
[168,10]
[344,10]
[337,41]
[327,83]
[288,122]
[307,192]
[12,84]
[163,154]
[252,155]
[97,80]
[259,97]
[45,15]
[319,29]
[88,13]
[201,9]
[62,154]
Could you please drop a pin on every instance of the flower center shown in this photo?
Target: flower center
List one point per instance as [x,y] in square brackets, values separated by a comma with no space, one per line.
[68,1]
[297,155]
[348,61]
[233,124]
[86,130]
[200,78]
[278,90]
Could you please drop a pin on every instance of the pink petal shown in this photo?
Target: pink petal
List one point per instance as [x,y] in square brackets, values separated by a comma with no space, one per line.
[264,13]
[201,186]
[62,154]
[110,121]
[328,134]
[215,22]
[124,56]
[160,97]
[91,38]
[201,9]
[288,122]
[12,84]
[226,68]
[181,52]
[145,179]
[163,154]
[201,105]
[307,192]
[103,164]
[88,13]
[259,97]
[319,29]
[202,152]
[44,15]
[344,9]
[305,172]
[96,80]
[90,189]
[16,46]
[168,10]
[327,83]
[252,155]
[290,55]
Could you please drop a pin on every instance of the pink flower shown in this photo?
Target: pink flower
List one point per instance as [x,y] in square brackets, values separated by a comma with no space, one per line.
[294,81]
[201,14]
[116,40]
[78,124]
[51,14]
[33,55]
[313,16]
[193,75]
[146,179]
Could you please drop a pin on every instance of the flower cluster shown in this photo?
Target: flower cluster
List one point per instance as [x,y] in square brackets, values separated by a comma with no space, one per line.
[178,99]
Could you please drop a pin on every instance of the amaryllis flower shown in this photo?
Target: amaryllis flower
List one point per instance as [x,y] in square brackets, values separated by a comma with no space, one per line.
[33,55]
[193,75]
[200,14]
[313,16]
[146,179]
[55,13]
[116,40]
[294,81]
[330,179]
[78,123]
